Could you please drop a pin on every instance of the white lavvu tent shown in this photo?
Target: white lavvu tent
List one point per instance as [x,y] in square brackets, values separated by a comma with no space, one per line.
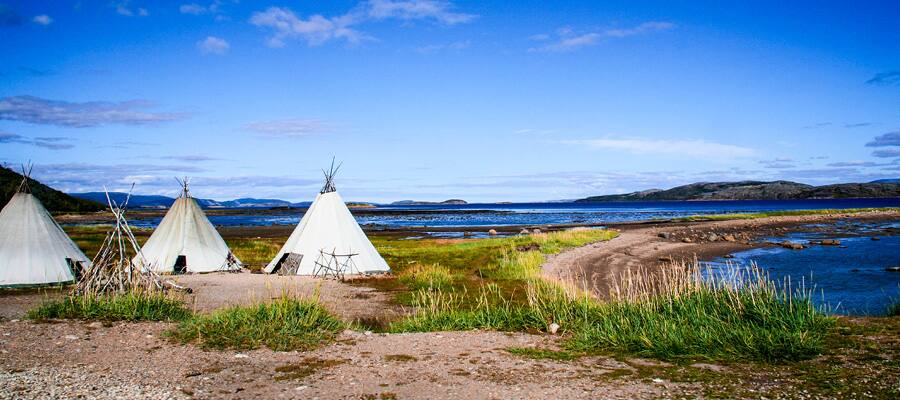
[325,231]
[187,240]
[34,250]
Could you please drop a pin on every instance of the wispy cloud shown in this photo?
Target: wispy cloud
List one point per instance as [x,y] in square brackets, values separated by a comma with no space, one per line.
[213,45]
[289,128]
[887,153]
[818,125]
[566,39]
[888,139]
[318,29]
[52,143]
[778,163]
[212,8]
[42,19]
[858,125]
[440,11]
[434,48]
[655,146]
[9,16]
[190,158]
[885,78]
[36,110]
[124,7]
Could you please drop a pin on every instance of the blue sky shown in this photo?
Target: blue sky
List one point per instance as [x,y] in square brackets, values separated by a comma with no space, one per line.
[430,100]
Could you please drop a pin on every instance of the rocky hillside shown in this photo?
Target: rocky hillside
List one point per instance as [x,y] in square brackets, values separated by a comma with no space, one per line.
[757,190]
[53,200]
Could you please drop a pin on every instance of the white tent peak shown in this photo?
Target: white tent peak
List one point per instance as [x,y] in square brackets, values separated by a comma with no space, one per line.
[186,239]
[328,238]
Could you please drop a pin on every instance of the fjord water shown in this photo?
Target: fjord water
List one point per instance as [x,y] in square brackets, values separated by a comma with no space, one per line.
[849,279]
[483,215]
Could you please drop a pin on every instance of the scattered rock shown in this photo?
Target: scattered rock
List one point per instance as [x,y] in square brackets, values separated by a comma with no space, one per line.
[667,259]
[467,234]
[524,231]
[728,256]
[893,269]
[830,242]
[241,355]
[687,240]
[553,328]
[536,231]
[876,238]
[791,245]
[492,232]
[712,237]
[664,235]
[728,238]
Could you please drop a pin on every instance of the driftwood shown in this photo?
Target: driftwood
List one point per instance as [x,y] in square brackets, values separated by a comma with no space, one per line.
[113,270]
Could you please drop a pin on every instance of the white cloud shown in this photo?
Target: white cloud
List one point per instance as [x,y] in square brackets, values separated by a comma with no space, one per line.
[695,147]
[288,128]
[317,29]
[434,48]
[416,9]
[213,45]
[567,40]
[123,7]
[42,19]
[193,8]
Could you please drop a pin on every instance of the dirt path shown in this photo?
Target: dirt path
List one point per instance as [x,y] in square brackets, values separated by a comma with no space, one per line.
[652,244]
[73,359]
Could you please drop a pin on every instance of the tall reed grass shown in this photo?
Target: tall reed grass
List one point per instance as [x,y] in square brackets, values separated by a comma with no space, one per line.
[673,313]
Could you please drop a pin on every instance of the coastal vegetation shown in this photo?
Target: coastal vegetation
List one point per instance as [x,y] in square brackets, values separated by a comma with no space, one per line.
[284,324]
[131,306]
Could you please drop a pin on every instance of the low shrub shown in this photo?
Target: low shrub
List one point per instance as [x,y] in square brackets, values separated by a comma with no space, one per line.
[132,306]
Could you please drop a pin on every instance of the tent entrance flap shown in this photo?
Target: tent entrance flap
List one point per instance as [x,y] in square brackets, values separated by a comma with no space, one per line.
[288,264]
[180,266]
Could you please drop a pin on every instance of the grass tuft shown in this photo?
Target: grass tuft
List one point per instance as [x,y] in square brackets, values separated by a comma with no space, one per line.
[118,307]
[284,324]
[429,276]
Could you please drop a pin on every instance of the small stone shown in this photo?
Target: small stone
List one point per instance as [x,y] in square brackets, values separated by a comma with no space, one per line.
[241,355]
[664,235]
[492,232]
[728,238]
[876,238]
[536,231]
[367,333]
[830,242]
[712,237]
[687,240]
[524,231]
[893,269]
[553,328]
[657,380]
[728,256]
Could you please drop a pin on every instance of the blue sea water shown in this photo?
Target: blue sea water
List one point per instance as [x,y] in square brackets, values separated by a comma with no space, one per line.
[849,279]
[485,215]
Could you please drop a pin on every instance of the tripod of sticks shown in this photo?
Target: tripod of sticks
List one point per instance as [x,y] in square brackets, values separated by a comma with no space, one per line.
[112,270]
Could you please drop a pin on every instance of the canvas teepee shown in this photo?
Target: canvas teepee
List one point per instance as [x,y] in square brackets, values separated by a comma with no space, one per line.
[185,241]
[328,239]
[34,250]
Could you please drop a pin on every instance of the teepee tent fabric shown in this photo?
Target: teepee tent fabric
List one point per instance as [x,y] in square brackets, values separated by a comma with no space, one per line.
[329,227]
[185,231]
[34,250]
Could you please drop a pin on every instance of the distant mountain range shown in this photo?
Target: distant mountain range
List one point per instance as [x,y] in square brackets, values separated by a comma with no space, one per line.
[52,199]
[758,190]
[153,201]
[423,203]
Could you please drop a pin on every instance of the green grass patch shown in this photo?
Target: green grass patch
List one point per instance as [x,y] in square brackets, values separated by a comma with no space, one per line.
[785,213]
[542,354]
[284,324]
[255,253]
[893,309]
[430,276]
[119,307]
[677,315]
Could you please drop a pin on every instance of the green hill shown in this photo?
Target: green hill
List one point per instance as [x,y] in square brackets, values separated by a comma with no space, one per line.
[53,200]
[757,190]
